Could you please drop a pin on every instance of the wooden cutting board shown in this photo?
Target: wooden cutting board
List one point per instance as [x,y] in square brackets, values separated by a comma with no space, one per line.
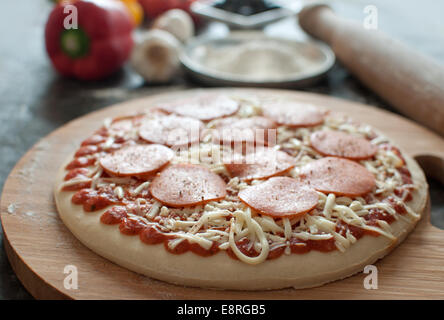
[39,246]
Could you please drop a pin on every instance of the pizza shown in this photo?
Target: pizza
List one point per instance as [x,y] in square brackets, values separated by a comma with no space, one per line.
[240,192]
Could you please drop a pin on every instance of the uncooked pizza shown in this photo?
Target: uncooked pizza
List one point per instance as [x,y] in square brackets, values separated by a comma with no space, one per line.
[240,192]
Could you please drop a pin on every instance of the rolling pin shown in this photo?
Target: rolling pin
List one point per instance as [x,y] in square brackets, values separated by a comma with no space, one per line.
[411,82]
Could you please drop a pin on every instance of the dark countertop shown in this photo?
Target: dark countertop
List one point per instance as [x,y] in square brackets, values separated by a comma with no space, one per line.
[34,100]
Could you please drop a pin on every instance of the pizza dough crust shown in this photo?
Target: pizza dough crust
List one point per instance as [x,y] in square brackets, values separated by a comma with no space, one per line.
[222,272]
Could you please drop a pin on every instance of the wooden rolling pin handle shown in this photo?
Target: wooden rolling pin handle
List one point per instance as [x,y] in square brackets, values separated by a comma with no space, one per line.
[410,82]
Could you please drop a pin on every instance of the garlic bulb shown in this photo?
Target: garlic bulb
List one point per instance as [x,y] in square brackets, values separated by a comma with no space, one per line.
[156,56]
[177,22]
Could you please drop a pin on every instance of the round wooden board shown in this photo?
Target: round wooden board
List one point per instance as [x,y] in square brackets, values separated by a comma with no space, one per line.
[39,246]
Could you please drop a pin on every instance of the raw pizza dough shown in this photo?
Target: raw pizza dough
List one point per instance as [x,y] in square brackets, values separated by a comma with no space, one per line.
[221,270]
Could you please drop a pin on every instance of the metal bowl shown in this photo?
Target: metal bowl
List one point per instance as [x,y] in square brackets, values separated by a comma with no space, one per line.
[195,62]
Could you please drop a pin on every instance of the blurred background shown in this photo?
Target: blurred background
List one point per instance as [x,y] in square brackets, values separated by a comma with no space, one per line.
[35,98]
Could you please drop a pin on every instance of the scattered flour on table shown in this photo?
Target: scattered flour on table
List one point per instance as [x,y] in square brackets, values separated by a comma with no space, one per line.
[28,172]
[11,208]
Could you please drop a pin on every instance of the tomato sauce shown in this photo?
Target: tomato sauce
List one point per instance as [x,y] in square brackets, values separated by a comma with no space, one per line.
[114,215]
[80,162]
[93,200]
[355,231]
[131,226]
[399,208]
[304,246]
[78,186]
[297,246]
[377,214]
[276,252]
[94,140]
[150,235]
[185,246]
[245,247]
[180,248]
[86,151]
[76,173]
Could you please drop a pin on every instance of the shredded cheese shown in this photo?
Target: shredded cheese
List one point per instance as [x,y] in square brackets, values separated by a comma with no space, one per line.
[256,228]
[228,221]
[141,187]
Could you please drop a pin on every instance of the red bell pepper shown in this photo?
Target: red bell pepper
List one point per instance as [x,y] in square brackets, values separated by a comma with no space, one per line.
[98,47]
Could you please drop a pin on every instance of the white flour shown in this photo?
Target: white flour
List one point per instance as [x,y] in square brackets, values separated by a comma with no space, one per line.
[11,208]
[258,60]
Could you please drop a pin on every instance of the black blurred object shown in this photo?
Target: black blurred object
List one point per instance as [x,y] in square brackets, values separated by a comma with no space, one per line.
[246,7]
[245,14]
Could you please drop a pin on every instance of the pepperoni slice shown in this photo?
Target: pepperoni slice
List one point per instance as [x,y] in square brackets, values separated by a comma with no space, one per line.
[257,130]
[184,185]
[294,114]
[280,197]
[203,107]
[263,163]
[340,144]
[122,125]
[136,160]
[338,176]
[171,130]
